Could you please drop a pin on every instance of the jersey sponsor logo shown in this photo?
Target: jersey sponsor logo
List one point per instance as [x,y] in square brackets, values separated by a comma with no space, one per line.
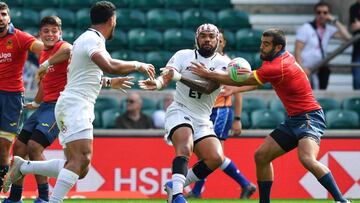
[9,44]
[5,57]
[212,68]
[187,118]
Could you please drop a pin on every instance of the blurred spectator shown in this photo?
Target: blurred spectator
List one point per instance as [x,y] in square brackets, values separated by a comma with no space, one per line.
[159,115]
[355,28]
[133,118]
[312,40]
[30,68]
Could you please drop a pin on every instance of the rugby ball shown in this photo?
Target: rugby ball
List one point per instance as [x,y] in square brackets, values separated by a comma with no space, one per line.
[239,69]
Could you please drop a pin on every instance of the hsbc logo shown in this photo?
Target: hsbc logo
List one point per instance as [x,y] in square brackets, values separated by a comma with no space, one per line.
[345,167]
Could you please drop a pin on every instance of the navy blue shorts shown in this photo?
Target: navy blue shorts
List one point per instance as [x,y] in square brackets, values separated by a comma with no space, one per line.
[310,124]
[11,104]
[43,120]
[222,119]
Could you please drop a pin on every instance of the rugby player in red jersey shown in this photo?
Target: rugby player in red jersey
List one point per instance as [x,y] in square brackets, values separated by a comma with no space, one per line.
[14,47]
[305,123]
[40,130]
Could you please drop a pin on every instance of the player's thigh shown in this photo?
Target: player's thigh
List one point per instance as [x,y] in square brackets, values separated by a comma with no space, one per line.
[308,149]
[209,148]
[269,150]
[80,149]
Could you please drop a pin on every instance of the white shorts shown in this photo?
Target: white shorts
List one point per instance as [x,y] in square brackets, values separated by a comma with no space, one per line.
[178,114]
[74,116]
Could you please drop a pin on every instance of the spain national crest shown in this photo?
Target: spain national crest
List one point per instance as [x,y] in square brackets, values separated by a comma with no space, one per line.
[9,44]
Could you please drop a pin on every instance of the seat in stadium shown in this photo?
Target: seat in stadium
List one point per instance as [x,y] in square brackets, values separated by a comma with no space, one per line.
[233,19]
[117,3]
[24,17]
[245,120]
[97,123]
[68,34]
[130,18]
[175,39]
[149,106]
[103,103]
[248,40]
[14,3]
[41,4]
[158,58]
[144,39]
[34,31]
[109,117]
[67,16]
[352,103]
[83,18]
[266,119]
[328,103]
[230,40]
[146,4]
[276,105]
[163,19]
[128,55]
[75,4]
[180,5]
[342,119]
[251,104]
[118,42]
[194,17]
[215,4]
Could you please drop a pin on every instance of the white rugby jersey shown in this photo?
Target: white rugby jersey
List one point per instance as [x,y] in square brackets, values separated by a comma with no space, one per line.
[84,75]
[199,104]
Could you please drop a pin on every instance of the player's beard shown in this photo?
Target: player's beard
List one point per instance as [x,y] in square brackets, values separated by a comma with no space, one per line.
[112,34]
[268,56]
[2,28]
[206,52]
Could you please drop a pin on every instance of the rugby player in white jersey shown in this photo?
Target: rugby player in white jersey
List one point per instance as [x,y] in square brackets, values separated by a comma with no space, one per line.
[74,110]
[187,120]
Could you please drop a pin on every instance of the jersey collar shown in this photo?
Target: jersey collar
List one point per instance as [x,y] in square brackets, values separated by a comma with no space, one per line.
[11,29]
[281,52]
[98,33]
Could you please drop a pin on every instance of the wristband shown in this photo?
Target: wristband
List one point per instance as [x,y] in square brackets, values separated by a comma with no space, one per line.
[137,66]
[107,81]
[177,76]
[159,83]
[45,64]
[34,104]
[237,118]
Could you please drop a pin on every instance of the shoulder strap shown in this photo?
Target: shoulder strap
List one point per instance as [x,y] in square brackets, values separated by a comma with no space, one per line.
[313,25]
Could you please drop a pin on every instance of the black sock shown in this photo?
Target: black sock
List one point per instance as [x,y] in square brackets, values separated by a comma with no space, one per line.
[16,193]
[201,170]
[44,191]
[180,165]
[264,191]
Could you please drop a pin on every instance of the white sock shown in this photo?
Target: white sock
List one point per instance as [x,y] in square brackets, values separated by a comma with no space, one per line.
[66,180]
[225,164]
[178,183]
[49,168]
[190,178]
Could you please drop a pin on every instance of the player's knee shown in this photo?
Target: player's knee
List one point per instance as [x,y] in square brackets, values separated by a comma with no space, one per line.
[184,150]
[19,148]
[307,161]
[261,157]
[84,172]
[214,160]
[34,151]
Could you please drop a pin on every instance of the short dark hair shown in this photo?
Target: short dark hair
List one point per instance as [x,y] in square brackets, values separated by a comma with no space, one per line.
[322,3]
[101,12]
[50,20]
[3,6]
[277,35]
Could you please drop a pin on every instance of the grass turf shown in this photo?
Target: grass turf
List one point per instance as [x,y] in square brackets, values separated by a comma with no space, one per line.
[192,201]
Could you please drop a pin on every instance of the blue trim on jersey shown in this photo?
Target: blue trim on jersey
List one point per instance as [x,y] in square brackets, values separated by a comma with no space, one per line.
[11,104]
[43,119]
[222,119]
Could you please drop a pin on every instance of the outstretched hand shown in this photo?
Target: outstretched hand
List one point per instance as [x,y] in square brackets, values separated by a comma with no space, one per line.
[199,69]
[148,69]
[148,84]
[41,72]
[121,83]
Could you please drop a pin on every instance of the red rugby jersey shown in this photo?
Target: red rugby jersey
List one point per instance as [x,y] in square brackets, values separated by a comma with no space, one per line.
[289,82]
[55,80]
[13,54]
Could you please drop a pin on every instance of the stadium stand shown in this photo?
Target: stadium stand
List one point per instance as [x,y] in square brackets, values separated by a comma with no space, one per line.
[176,38]
[142,39]
[163,18]
[14,3]
[181,4]
[328,104]
[251,104]
[67,16]
[194,17]
[82,18]
[248,40]
[75,4]
[109,117]
[233,19]
[24,17]
[342,119]
[266,119]
[276,105]
[158,58]
[215,4]
[245,120]
[146,4]
[40,4]
[118,42]
[130,18]
[352,103]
